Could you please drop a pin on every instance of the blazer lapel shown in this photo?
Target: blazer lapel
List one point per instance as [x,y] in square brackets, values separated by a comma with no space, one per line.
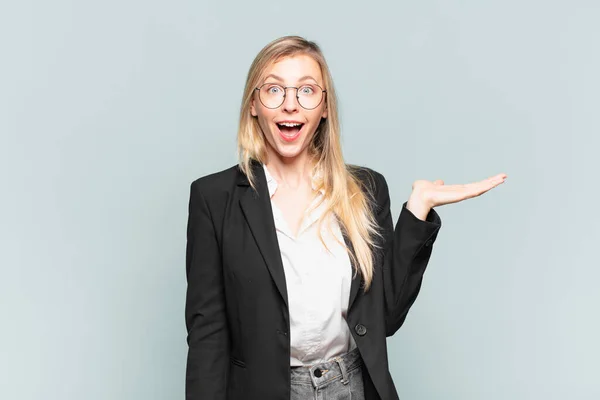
[256,206]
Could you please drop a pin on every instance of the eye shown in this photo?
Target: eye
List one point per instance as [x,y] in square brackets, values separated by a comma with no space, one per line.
[274,89]
[306,90]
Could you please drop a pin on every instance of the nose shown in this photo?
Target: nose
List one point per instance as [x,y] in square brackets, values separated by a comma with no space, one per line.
[290,102]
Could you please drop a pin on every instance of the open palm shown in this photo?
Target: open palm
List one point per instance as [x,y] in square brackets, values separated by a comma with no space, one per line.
[436,194]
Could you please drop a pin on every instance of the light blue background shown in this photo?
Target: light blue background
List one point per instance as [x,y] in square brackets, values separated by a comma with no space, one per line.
[109,109]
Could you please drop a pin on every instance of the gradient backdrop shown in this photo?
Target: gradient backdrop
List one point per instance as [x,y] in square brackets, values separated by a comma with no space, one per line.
[110,109]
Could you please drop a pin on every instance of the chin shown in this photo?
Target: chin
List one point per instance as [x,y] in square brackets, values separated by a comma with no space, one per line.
[286,148]
[288,151]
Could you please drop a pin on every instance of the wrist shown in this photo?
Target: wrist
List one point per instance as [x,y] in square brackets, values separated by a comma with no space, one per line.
[418,207]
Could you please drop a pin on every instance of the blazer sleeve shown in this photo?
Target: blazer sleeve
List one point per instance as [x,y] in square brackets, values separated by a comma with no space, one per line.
[406,251]
[205,313]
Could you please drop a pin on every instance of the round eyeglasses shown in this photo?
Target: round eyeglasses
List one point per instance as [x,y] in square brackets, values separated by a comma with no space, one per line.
[272,95]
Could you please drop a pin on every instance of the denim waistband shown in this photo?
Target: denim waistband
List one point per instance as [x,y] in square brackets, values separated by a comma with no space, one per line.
[323,372]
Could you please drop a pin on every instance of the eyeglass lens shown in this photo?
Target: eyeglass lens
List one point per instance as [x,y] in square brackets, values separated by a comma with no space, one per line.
[272,95]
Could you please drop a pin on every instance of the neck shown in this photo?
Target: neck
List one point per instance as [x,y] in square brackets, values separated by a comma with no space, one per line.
[293,172]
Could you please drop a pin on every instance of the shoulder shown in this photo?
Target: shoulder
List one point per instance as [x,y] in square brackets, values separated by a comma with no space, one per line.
[216,182]
[370,180]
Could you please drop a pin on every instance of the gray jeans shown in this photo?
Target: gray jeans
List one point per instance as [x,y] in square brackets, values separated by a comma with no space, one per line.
[337,379]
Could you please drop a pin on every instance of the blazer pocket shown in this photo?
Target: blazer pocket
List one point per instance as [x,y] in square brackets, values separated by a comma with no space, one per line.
[237,362]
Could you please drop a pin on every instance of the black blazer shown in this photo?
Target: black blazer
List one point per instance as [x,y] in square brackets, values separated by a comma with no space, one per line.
[236,304]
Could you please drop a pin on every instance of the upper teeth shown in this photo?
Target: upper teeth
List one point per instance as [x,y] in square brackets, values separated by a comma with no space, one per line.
[290,124]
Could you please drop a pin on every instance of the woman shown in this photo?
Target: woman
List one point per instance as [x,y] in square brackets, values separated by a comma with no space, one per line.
[296,275]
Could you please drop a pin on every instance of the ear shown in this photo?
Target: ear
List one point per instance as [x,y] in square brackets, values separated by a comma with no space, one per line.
[324,115]
[253,108]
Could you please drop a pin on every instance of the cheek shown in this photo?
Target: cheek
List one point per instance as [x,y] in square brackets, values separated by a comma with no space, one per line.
[264,119]
[317,116]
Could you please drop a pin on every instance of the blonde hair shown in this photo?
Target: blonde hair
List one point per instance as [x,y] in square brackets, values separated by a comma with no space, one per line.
[347,198]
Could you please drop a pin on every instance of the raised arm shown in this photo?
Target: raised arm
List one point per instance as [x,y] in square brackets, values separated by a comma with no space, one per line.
[406,252]
[407,249]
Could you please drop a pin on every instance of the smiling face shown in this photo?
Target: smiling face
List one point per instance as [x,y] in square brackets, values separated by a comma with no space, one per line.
[289,128]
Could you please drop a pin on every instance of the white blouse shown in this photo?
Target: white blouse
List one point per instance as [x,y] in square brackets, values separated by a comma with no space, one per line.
[318,285]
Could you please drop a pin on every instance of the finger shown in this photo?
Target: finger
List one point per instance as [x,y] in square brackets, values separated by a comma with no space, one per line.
[447,194]
[497,179]
[488,183]
[438,182]
[477,189]
[469,190]
[485,184]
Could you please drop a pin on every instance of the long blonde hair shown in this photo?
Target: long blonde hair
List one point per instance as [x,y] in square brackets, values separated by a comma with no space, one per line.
[347,198]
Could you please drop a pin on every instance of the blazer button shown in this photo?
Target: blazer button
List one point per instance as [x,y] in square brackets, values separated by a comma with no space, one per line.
[428,243]
[360,329]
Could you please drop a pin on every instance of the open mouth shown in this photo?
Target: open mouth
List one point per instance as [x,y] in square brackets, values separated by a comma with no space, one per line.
[289,130]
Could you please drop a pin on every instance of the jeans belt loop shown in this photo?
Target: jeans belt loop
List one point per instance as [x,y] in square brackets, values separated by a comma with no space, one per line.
[342,365]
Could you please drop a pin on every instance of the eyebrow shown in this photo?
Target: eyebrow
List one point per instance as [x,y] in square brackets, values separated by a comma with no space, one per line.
[278,78]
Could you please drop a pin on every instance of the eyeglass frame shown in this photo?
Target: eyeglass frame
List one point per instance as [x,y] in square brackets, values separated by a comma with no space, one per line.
[285,88]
